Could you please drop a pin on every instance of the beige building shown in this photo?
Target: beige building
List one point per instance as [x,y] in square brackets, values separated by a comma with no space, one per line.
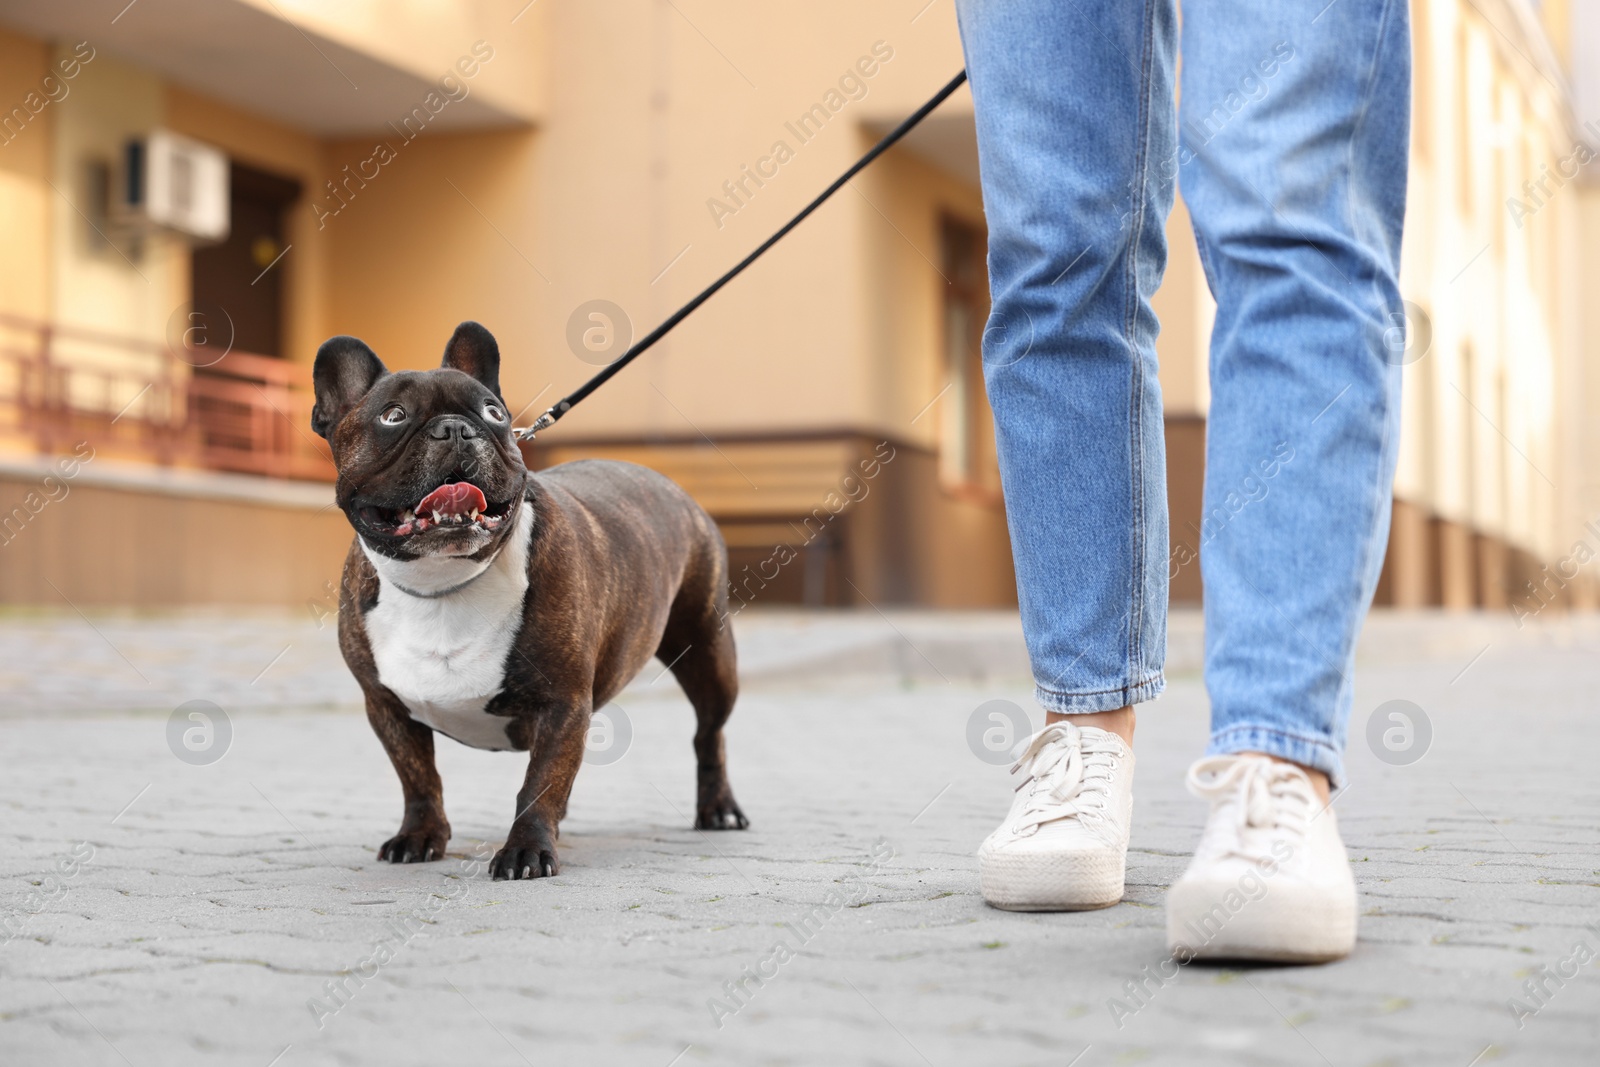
[1497,505]
[568,175]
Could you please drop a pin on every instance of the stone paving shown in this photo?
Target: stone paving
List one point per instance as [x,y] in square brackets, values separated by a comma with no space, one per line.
[160,910]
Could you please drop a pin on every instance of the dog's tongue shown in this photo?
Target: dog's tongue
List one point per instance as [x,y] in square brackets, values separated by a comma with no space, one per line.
[457,498]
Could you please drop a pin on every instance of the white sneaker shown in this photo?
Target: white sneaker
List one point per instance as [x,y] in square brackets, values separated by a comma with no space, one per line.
[1270,879]
[1064,846]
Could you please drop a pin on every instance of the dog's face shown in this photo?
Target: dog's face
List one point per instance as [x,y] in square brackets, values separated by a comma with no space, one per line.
[426,462]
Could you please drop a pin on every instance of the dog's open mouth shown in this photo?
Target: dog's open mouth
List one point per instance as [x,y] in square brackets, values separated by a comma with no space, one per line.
[454,505]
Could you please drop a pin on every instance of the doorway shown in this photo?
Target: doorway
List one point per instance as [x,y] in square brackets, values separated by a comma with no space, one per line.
[234,275]
[237,400]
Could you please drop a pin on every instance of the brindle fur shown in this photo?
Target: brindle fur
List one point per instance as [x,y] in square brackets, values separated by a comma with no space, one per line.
[623,566]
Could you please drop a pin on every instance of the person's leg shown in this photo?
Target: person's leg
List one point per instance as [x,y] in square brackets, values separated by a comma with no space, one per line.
[1294,135]
[1298,132]
[1074,110]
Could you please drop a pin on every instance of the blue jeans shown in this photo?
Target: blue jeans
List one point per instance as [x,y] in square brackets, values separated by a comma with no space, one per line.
[1291,149]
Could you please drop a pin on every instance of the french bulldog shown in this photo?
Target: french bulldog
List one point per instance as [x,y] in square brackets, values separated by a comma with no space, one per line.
[500,607]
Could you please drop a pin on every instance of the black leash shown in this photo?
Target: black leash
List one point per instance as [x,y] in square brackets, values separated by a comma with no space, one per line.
[567,403]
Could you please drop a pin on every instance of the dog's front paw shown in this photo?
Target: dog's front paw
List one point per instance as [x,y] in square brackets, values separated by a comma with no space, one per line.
[720,814]
[415,846]
[516,862]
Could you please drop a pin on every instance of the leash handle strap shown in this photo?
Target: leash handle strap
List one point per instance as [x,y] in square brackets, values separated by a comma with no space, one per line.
[567,403]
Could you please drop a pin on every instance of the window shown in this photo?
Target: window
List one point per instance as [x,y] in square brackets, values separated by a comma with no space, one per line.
[967,462]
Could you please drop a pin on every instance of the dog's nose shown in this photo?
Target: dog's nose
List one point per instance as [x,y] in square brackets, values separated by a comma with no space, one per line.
[448,427]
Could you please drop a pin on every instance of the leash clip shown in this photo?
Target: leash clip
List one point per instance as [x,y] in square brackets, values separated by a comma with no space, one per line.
[543,422]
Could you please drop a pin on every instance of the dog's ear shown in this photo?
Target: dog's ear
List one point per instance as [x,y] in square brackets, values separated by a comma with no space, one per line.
[345,371]
[472,351]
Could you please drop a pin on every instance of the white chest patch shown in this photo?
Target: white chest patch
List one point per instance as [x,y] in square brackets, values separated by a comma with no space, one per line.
[445,655]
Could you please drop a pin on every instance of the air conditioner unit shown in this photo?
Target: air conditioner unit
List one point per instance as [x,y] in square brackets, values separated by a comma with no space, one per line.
[176,184]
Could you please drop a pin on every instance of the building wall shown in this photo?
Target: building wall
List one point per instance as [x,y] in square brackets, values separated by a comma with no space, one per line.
[621,170]
[607,199]
[662,127]
[100,534]
[1491,479]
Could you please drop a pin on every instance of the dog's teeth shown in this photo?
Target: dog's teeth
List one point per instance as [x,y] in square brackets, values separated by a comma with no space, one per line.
[436,517]
[474,514]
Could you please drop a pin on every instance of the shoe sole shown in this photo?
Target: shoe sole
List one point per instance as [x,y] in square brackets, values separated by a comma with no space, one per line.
[1258,952]
[1268,953]
[1054,905]
[1273,931]
[1050,883]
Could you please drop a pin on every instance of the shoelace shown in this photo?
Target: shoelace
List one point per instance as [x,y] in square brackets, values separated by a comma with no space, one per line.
[1068,776]
[1253,799]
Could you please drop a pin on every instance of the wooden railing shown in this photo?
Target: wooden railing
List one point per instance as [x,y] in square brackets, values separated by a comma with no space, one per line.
[137,399]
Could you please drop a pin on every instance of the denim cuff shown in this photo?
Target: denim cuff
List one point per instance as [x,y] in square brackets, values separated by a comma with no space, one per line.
[1306,751]
[1101,699]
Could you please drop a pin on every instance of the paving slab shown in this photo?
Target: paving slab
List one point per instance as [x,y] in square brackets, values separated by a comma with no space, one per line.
[159,910]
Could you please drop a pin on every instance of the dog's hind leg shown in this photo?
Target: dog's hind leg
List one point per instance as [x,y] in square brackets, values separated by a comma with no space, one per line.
[698,647]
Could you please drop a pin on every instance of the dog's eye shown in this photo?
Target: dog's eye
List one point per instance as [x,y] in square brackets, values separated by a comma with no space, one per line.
[393,415]
[493,412]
